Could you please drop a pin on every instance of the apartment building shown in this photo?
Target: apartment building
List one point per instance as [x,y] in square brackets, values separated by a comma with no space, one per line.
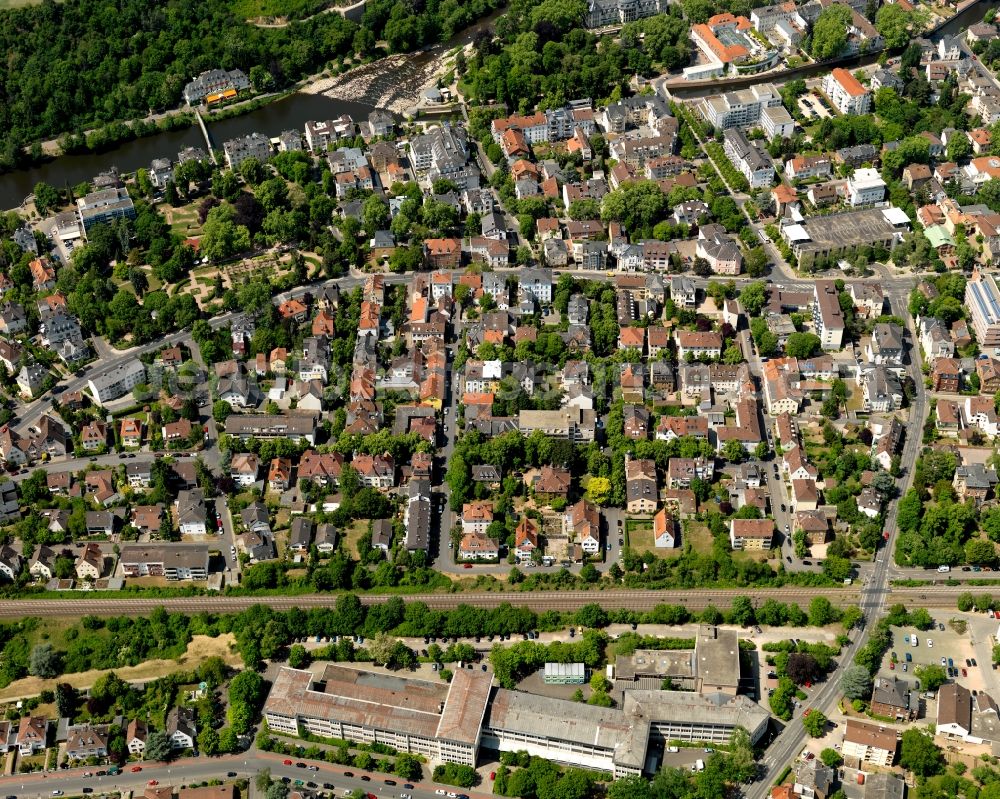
[846,92]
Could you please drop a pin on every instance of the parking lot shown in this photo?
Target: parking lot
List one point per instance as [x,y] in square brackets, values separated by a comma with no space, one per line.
[931,647]
[813,106]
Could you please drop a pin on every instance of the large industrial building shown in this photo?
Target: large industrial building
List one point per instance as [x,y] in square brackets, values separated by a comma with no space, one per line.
[437,720]
[450,722]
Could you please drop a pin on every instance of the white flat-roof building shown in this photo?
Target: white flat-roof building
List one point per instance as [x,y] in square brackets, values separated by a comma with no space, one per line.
[865,187]
[741,108]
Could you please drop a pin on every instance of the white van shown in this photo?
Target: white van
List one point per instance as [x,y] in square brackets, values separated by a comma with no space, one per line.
[915,641]
[699,764]
[944,569]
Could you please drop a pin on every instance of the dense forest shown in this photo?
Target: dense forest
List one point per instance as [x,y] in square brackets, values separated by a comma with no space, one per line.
[82,64]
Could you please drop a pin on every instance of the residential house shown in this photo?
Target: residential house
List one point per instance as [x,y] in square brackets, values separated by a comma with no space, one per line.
[135,737]
[476,545]
[32,734]
[279,474]
[582,523]
[641,495]
[551,483]
[180,727]
[751,534]
[94,435]
[665,529]
[895,699]
[525,539]
[954,711]
[974,481]
[130,433]
[375,471]
[477,516]
[301,534]
[869,743]
[191,512]
[244,468]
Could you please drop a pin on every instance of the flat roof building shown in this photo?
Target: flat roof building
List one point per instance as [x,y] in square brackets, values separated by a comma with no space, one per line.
[564,674]
[833,235]
[437,720]
[105,205]
[982,298]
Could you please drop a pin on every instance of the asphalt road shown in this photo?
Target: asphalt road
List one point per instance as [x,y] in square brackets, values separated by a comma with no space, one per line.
[875,593]
[198,769]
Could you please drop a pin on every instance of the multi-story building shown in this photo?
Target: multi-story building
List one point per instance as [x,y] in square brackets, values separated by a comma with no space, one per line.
[751,533]
[741,108]
[828,317]
[117,381]
[104,206]
[172,561]
[620,12]
[982,299]
[869,743]
[750,159]
[254,145]
[865,187]
[433,719]
[217,83]
[846,92]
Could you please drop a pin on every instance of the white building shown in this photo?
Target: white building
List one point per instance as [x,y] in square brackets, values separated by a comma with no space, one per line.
[740,109]
[846,92]
[116,382]
[750,159]
[865,187]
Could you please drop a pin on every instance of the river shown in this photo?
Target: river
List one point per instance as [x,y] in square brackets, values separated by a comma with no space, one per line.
[385,81]
[396,77]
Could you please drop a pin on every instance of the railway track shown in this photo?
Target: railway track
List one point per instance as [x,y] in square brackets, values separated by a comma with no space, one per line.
[632,599]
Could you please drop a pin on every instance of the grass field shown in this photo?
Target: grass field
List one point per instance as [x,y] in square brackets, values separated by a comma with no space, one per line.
[352,535]
[639,535]
[6,4]
[698,536]
[199,650]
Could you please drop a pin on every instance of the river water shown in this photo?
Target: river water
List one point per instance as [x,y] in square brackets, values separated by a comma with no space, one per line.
[383,81]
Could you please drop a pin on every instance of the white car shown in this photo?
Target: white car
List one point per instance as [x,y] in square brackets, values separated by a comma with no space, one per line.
[440,791]
[930,643]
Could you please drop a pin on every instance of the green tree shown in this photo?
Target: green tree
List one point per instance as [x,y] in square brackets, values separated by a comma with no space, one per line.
[158,746]
[829,35]
[734,451]
[46,198]
[919,754]
[893,23]
[831,758]
[375,214]
[803,345]
[752,298]
[856,682]
[931,676]
[815,724]
[821,611]
[44,661]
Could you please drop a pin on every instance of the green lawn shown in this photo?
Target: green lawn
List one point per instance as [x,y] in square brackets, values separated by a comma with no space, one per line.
[639,535]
